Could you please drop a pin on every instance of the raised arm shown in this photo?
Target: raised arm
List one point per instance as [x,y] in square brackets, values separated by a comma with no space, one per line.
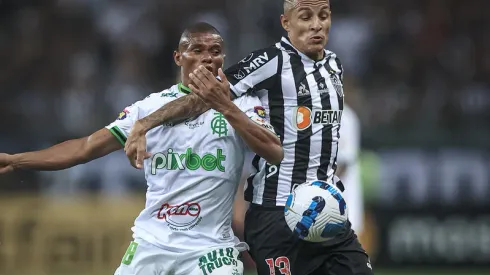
[259,135]
[174,112]
[64,155]
[256,71]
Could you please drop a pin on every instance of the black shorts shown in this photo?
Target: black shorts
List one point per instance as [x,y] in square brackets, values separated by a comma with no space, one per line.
[276,250]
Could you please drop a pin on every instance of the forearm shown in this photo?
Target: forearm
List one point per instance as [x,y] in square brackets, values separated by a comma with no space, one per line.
[69,153]
[58,157]
[260,140]
[175,112]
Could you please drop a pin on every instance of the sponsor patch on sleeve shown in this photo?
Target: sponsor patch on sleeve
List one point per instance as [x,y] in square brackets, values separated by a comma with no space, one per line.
[262,122]
[123,114]
[260,111]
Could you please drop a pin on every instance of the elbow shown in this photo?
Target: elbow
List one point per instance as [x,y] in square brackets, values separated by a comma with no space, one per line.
[276,156]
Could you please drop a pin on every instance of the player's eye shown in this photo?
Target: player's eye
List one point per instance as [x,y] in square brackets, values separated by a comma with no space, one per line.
[324,16]
[196,50]
[304,16]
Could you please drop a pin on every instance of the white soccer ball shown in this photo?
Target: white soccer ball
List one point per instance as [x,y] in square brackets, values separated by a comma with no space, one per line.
[316,211]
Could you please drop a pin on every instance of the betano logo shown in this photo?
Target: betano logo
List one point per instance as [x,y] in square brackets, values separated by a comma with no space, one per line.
[303,117]
[187,160]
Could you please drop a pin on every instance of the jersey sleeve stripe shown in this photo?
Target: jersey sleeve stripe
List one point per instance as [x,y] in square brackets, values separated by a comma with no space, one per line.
[233,91]
[118,134]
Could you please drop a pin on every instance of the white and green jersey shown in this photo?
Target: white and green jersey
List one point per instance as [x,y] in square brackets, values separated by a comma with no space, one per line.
[192,175]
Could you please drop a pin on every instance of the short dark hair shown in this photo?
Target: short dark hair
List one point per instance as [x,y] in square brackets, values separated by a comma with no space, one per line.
[199,27]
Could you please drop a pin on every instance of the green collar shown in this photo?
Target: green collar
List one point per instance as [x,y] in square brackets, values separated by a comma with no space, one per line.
[183,89]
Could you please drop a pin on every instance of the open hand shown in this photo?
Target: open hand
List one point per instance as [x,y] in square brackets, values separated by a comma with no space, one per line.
[6,163]
[215,93]
[135,146]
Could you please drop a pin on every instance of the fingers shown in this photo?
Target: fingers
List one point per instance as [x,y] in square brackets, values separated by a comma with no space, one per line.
[5,170]
[205,77]
[196,90]
[222,76]
[131,154]
[141,154]
[197,80]
[206,73]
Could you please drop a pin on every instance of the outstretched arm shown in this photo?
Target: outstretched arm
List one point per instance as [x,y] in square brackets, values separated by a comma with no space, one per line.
[64,155]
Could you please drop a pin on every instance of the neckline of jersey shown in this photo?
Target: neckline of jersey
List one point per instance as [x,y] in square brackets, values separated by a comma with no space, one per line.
[183,89]
[304,56]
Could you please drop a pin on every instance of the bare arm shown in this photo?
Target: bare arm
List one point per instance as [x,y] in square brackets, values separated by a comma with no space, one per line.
[69,153]
[260,140]
[174,112]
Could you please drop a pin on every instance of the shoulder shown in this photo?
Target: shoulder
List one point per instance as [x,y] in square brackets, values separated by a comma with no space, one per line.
[268,52]
[256,59]
[156,100]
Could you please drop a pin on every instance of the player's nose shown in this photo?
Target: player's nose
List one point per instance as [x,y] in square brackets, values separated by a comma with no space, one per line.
[206,58]
[316,24]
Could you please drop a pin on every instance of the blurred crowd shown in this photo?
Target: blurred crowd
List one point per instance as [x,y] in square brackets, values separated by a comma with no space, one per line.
[417,72]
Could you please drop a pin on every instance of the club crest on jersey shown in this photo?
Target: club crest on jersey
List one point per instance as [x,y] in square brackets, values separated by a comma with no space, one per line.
[180,217]
[260,111]
[304,117]
[123,114]
[337,84]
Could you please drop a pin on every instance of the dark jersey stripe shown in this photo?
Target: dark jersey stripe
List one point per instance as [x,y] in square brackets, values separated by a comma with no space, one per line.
[302,146]
[276,113]
[340,98]
[326,150]
[249,192]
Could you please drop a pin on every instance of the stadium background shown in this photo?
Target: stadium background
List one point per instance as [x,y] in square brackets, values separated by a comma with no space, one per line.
[417,74]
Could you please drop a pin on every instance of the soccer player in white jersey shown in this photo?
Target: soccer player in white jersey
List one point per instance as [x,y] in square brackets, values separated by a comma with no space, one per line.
[348,166]
[192,174]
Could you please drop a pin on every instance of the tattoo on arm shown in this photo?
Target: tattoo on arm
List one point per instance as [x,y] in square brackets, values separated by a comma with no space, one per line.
[176,111]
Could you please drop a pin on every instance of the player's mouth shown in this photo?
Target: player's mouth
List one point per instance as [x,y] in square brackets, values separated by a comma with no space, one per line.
[209,68]
[317,39]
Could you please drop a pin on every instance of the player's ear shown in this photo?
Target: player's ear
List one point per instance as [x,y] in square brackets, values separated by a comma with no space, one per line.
[285,22]
[177,58]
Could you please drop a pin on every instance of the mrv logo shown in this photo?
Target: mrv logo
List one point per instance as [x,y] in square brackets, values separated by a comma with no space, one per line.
[257,62]
[188,160]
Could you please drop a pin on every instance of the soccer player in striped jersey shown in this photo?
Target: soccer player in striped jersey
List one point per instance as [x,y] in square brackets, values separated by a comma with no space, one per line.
[300,85]
[192,175]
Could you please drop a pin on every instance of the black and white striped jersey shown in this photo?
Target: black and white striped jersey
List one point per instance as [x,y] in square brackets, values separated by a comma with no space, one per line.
[304,100]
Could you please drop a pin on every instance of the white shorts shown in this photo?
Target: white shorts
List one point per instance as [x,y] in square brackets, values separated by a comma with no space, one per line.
[144,258]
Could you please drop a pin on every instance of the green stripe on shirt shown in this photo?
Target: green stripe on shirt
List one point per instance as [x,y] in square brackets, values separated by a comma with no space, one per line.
[118,134]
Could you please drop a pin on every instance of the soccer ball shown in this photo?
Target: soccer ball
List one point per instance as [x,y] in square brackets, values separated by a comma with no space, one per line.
[316,211]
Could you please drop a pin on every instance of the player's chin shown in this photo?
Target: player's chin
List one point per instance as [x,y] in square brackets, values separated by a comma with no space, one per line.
[313,49]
